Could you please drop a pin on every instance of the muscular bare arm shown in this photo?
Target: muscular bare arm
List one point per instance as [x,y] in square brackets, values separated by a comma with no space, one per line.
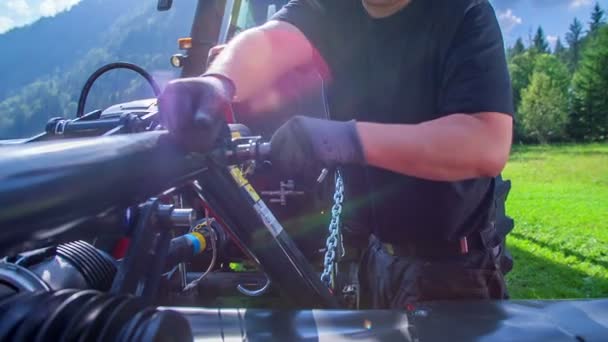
[451,148]
[257,58]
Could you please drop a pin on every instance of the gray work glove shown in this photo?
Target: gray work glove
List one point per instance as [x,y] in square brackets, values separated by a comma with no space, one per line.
[194,110]
[304,145]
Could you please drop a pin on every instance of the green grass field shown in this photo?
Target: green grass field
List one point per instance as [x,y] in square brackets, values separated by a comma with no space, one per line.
[559,200]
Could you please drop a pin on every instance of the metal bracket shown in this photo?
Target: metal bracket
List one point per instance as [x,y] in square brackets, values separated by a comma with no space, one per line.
[141,269]
[286,189]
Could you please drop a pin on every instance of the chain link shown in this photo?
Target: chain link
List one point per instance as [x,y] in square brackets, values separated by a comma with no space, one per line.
[331,243]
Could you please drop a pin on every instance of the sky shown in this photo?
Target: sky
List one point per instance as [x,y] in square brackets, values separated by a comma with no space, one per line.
[15,13]
[521,18]
[518,18]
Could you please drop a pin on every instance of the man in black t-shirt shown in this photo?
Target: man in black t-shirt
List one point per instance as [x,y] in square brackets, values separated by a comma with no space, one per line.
[421,119]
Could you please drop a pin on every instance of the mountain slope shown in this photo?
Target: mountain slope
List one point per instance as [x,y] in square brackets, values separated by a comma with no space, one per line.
[53,42]
[46,63]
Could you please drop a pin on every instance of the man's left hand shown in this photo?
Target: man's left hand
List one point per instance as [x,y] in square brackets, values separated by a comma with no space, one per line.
[305,145]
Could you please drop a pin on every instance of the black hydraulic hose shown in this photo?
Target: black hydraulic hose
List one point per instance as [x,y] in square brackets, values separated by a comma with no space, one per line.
[72,315]
[117,65]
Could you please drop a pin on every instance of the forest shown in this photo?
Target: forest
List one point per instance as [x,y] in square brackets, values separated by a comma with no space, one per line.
[560,93]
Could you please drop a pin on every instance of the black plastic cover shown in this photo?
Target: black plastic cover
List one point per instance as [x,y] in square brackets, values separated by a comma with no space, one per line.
[581,320]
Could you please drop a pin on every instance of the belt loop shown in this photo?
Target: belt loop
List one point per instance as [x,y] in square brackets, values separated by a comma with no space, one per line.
[464,245]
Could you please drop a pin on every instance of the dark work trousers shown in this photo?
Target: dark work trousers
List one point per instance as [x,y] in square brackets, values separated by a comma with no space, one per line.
[392,282]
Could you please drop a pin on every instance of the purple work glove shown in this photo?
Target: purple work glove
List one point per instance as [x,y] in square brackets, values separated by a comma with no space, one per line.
[194,110]
[304,146]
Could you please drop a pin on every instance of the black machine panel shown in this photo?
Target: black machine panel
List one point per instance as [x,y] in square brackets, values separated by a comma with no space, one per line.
[465,321]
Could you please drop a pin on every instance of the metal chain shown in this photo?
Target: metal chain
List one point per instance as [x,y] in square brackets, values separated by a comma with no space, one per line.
[331,243]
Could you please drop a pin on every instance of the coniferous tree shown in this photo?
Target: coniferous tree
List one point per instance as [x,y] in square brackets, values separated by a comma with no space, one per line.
[517,49]
[589,118]
[540,42]
[574,39]
[560,51]
[597,19]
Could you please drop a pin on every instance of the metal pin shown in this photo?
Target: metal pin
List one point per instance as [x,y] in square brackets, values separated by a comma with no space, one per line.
[183,217]
[322,176]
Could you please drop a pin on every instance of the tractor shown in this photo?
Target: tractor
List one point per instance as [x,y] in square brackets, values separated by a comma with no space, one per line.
[109,231]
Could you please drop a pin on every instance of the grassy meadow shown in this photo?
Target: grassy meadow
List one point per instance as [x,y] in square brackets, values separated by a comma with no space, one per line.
[559,200]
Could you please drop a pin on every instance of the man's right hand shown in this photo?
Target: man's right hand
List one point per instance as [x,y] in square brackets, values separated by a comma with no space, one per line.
[194,110]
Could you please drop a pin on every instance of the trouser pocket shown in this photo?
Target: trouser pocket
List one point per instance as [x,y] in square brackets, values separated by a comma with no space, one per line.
[461,285]
[375,277]
[448,280]
[393,282]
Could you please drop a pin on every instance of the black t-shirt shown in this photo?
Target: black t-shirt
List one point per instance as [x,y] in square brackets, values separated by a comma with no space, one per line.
[432,58]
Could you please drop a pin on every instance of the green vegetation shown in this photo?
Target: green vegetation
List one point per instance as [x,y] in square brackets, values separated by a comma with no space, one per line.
[540,43]
[560,96]
[544,103]
[589,86]
[559,201]
[597,19]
